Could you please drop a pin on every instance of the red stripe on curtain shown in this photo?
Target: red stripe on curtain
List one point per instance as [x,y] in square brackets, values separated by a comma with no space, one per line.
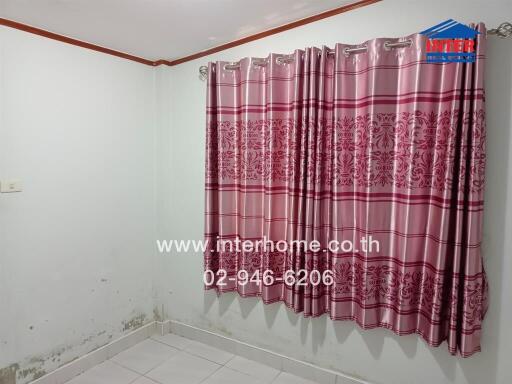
[335,147]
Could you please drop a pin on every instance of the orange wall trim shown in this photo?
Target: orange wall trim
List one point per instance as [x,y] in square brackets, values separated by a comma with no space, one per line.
[257,36]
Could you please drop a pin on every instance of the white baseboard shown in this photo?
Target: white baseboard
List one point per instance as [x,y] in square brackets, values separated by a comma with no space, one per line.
[163,327]
[80,365]
[264,356]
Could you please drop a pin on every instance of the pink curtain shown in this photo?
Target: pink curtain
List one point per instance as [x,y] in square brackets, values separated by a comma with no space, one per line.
[322,146]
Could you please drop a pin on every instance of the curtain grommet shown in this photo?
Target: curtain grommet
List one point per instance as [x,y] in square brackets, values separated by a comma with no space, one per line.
[231,66]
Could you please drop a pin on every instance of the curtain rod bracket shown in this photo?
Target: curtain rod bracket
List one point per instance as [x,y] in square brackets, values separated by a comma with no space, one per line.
[203,72]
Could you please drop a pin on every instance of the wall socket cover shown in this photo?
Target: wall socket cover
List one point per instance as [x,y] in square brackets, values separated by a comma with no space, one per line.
[8,186]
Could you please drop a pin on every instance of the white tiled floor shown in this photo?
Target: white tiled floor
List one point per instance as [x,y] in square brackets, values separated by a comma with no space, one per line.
[172,359]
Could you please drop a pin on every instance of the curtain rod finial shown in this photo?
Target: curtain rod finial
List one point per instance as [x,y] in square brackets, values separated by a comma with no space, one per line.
[504,30]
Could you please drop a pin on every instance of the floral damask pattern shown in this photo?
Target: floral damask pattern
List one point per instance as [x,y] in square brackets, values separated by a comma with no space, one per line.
[409,288]
[410,150]
[329,147]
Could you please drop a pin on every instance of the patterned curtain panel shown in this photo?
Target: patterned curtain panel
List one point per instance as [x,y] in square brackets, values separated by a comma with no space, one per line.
[378,148]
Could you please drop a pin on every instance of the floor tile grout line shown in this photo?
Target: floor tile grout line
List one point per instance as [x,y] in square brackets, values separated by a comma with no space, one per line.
[122,366]
[224,364]
[115,363]
[211,374]
[156,366]
[152,380]
[275,378]
[220,367]
[164,361]
[176,352]
[232,357]
[210,346]
[231,369]
[169,358]
[161,342]
[247,374]
[279,371]
[137,378]
[204,358]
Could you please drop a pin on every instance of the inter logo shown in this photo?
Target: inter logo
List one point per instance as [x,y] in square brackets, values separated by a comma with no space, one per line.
[450,42]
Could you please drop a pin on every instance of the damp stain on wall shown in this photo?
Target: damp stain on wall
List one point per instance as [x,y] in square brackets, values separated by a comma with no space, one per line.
[8,374]
[221,329]
[36,366]
[215,327]
[134,323]
[32,373]
[157,316]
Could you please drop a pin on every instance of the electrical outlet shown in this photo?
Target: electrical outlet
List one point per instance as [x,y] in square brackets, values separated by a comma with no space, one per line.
[8,186]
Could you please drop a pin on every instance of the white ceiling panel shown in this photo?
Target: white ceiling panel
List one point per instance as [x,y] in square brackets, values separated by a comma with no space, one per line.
[161,29]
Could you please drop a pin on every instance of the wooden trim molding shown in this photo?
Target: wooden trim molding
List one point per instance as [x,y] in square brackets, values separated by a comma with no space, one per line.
[69,40]
[257,36]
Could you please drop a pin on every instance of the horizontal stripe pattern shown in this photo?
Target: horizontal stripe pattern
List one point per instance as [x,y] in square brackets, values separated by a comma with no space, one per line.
[334,100]
[394,101]
[390,260]
[333,229]
[427,336]
[381,144]
[408,198]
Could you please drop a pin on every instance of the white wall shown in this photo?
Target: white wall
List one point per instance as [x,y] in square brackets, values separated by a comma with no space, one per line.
[100,142]
[376,355]
[77,245]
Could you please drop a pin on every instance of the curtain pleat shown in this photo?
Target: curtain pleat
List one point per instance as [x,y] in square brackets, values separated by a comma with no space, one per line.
[380,145]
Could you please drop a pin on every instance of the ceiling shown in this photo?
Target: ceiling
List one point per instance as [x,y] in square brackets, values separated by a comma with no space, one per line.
[161,29]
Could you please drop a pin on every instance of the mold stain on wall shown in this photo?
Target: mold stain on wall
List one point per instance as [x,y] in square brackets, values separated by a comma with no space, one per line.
[134,323]
[157,314]
[31,368]
[37,366]
[8,374]
[33,373]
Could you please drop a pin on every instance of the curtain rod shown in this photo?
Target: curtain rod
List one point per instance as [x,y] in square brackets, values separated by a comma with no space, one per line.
[503,31]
